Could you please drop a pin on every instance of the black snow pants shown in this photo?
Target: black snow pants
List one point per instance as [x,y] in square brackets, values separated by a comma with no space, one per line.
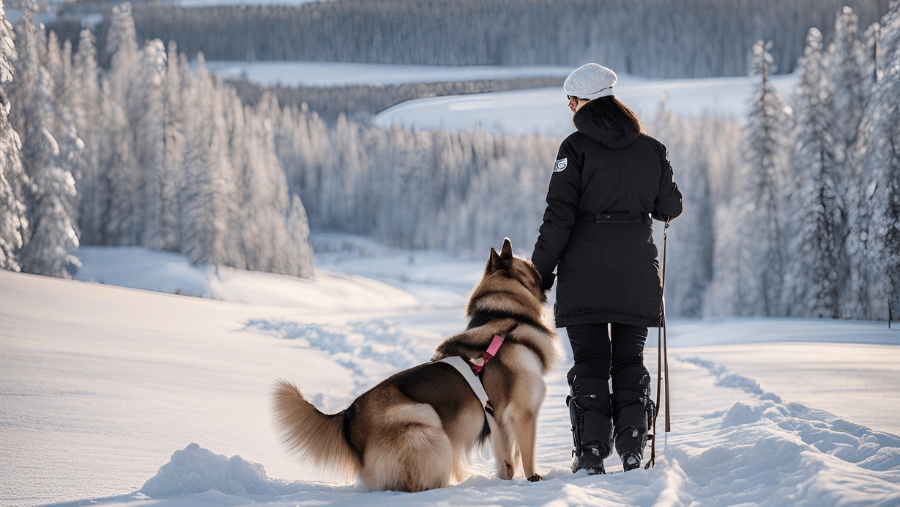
[602,351]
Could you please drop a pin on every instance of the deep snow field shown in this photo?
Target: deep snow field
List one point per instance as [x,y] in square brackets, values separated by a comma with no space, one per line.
[116,396]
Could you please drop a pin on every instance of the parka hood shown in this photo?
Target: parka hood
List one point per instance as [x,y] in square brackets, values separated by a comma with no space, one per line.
[597,124]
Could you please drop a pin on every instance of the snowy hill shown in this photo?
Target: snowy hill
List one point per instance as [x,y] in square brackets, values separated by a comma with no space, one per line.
[512,112]
[121,396]
[542,111]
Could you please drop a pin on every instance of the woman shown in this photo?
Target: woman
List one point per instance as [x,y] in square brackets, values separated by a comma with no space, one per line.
[609,179]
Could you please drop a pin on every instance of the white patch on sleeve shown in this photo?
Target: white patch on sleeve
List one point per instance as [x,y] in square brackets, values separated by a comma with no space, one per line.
[561,165]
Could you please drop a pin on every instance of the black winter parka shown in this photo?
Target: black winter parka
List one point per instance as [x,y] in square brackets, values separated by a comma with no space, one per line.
[607,268]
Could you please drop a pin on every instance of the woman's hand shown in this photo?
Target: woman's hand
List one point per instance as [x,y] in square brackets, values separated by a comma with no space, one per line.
[547,282]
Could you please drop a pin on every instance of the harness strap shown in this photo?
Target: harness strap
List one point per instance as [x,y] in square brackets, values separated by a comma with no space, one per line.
[470,372]
[478,364]
[465,370]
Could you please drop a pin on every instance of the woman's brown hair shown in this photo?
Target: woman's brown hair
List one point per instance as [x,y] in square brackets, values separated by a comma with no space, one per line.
[615,111]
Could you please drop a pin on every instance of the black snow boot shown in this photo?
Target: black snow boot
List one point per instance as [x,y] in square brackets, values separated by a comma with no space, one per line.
[589,408]
[632,414]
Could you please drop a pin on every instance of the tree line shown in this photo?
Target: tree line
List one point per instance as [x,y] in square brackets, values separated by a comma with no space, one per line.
[148,153]
[813,224]
[653,38]
[361,102]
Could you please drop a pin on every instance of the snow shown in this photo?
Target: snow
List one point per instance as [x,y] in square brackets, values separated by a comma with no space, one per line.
[544,111]
[124,396]
[172,273]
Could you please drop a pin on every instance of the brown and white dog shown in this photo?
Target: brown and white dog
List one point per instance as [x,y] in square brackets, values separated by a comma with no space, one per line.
[415,430]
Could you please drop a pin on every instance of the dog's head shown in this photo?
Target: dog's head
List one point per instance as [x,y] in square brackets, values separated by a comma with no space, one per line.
[508,284]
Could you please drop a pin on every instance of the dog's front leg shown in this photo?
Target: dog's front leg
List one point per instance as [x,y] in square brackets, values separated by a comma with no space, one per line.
[526,435]
[524,420]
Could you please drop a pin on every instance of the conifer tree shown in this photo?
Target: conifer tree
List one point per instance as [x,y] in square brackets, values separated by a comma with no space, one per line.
[691,242]
[84,95]
[119,174]
[207,197]
[852,81]
[159,229]
[62,119]
[121,108]
[816,223]
[47,251]
[13,221]
[50,192]
[759,253]
[298,229]
[876,238]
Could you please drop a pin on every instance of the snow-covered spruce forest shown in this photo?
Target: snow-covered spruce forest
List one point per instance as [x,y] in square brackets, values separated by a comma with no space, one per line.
[794,211]
[653,38]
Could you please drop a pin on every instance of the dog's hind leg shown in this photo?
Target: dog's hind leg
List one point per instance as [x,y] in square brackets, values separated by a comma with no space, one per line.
[502,446]
[409,452]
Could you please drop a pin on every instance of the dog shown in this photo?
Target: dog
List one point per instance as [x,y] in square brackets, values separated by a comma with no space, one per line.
[415,430]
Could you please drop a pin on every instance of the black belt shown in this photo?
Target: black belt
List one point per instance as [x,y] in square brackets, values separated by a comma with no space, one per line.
[614,218]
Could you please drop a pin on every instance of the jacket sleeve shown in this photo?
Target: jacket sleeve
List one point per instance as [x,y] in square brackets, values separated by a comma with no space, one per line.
[668,198]
[561,212]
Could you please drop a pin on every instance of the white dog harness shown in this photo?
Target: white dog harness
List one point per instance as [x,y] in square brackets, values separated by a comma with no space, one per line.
[469,371]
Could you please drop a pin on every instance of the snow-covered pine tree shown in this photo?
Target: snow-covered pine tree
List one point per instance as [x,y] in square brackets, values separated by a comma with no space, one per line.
[160,227]
[121,107]
[876,238]
[818,267]
[13,221]
[168,228]
[303,145]
[62,126]
[853,75]
[341,174]
[118,174]
[852,81]
[298,229]
[48,249]
[85,105]
[759,254]
[31,46]
[259,192]
[691,241]
[207,196]
[50,193]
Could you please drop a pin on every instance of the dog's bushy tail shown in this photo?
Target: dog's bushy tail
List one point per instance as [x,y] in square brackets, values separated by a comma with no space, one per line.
[319,437]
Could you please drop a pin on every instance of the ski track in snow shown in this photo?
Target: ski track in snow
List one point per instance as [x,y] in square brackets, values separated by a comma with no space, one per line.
[371,350]
[763,440]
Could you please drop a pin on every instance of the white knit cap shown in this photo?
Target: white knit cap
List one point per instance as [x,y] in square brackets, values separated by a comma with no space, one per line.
[590,81]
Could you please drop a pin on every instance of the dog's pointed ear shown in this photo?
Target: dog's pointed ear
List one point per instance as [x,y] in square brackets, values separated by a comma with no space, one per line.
[493,261]
[506,251]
